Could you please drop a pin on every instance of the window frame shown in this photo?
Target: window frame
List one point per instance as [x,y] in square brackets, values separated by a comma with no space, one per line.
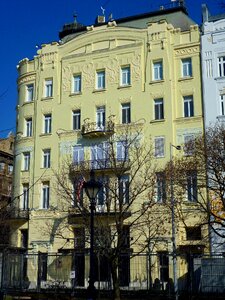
[46,159]
[124,189]
[47,123]
[76,119]
[157,70]
[221,66]
[48,88]
[25,198]
[186,67]
[29,127]
[26,161]
[157,152]
[78,151]
[45,194]
[192,186]
[100,79]
[222,104]
[160,187]
[126,113]
[159,109]
[188,106]
[125,76]
[30,92]
[77,83]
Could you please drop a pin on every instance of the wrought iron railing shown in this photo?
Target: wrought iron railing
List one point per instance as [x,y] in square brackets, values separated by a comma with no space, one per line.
[90,127]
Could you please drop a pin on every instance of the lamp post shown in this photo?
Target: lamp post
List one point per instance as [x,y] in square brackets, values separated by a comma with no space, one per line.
[174,244]
[92,188]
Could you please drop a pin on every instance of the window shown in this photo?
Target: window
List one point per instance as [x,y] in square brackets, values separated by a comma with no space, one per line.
[25,197]
[193,233]
[188,144]
[78,154]
[124,189]
[78,192]
[48,88]
[2,166]
[46,158]
[159,109]
[47,123]
[102,195]
[160,187]
[77,83]
[45,195]
[158,70]
[100,118]
[24,238]
[186,67]
[188,106]
[159,147]
[30,92]
[221,65]
[122,151]
[28,132]
[26,161]
[125,76]
[10,169]
[163,266]
[76,119]
[192,186]
[126,115]
[79,238]
[100,80]
[222,105]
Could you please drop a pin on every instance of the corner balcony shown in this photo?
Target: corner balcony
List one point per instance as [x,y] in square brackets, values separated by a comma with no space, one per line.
[99,165]
[94,129]
[17,214]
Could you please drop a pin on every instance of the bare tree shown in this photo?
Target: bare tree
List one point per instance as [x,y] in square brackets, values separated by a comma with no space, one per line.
[124,222]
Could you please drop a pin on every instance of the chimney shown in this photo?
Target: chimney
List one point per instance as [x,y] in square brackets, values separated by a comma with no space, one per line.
[100,20]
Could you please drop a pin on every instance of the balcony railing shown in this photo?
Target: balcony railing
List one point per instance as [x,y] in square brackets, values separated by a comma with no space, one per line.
[99,164]
[93,129]
[17,214]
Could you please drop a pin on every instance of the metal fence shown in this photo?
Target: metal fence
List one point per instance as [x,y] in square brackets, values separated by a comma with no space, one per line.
[143,272]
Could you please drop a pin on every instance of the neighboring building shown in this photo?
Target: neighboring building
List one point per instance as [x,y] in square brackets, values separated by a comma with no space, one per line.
[213,78]
[213,66]
[6,177]
[145,67]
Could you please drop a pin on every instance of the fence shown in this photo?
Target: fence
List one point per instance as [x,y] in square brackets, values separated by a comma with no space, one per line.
[146,272]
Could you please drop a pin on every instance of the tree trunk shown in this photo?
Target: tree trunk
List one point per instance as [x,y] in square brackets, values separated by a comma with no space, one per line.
[116,285]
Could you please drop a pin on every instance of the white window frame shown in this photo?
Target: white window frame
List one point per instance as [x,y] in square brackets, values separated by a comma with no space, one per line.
[186,67]
[100,117]
[48,88]
[26,161]
[47,123]
[188,138]
[188,103]
[46,158]
[30,92]
[158,70]
[222,105]
[221,66]
[160,189]
[159,109]
[77,83]
[125,76]
[100,80]
[192,192]
[29,126]
[124,189]
[76,119]
[45,195]
[78,154]
[126,113]
[122,151]
[25,197]
[159,146]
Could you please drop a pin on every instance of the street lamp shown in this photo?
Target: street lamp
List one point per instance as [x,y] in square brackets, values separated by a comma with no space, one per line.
[92,187]
[174,244]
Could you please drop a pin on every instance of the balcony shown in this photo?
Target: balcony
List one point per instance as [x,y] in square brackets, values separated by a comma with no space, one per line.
[17,214]
[99,165]
[93,129]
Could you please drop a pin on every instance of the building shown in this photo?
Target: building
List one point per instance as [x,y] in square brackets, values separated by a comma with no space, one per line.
[79,92]
[213,78]
[6,177]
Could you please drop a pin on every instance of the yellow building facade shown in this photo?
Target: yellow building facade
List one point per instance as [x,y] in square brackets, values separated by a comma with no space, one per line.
[138,69]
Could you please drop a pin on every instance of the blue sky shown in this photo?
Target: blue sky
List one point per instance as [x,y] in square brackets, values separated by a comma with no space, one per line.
[27,23]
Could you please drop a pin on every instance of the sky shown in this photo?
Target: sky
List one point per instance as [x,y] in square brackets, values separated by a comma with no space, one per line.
[27,23]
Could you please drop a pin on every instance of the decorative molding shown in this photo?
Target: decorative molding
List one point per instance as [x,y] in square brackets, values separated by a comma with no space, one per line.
[24,79]
[48,58]
[88,76]
[186,51]
[136,68]
[112,70]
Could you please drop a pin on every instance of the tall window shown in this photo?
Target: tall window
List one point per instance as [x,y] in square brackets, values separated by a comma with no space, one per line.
[121,151]
[188,144]
[163,266]
[46,158]
[77,83]
[100,80]
[45,195]
[25,197]
[222,105]
[47,123]
[159,147]
[48,88]
[159,109]
[76,119]
[100,117]
[29,92]
[28,127]
[160,187]
[26,161]
[188,106]
[221,66]
[125,76]
[78,154]
[124,189]
[186,67]
[158,70]
[126,114]
[192,186]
